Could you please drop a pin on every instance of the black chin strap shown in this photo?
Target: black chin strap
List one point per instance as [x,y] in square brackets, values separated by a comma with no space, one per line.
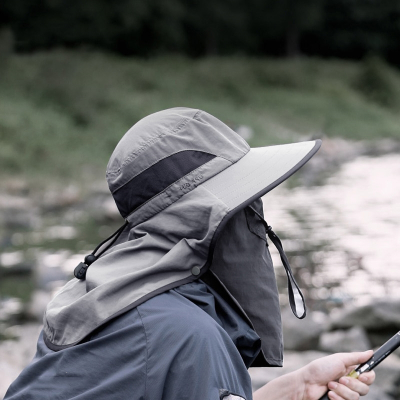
[296,298]
[80,270]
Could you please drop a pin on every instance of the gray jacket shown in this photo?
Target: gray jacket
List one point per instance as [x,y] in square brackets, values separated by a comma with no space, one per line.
[186,343]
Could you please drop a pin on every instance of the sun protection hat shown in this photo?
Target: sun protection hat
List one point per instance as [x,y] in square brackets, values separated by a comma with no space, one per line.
[177,177]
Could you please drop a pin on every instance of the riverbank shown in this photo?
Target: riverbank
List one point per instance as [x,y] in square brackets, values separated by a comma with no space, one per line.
[62,112]
[345,330]
[323,215]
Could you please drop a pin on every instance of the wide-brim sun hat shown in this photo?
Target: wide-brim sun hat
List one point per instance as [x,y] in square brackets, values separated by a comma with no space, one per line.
[260,170]
[176,176]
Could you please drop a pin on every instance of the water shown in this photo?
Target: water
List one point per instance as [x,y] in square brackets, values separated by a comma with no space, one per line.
[343,236]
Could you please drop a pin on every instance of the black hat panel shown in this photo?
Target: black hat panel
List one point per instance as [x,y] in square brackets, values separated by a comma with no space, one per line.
[158,177]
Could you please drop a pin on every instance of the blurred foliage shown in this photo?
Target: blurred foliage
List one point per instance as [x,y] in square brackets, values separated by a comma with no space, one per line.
[339,28]
[63,112]
[17,286]
[377,81]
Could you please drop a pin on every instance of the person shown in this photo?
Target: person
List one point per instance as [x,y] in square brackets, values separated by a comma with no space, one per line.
[182,299]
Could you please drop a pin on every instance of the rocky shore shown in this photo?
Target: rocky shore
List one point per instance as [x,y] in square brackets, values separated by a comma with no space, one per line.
[349,329]
[17,352]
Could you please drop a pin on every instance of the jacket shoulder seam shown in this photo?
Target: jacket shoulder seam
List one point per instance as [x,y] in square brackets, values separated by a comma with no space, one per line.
[147,353]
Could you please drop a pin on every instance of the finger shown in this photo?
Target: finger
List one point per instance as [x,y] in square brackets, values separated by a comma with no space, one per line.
[343,391]
[334,396]
[367,377]
[356,358]
[355,385]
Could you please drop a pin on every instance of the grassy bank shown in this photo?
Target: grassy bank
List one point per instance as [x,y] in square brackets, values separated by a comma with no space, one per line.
[62,112]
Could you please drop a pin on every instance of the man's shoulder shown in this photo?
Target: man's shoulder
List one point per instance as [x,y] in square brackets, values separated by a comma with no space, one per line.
[188,349]
[175,314]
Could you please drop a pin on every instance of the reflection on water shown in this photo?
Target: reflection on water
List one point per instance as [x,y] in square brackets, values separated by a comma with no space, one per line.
[343,236]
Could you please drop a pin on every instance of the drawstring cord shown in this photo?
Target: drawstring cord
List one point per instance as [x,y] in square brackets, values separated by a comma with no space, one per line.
[291,281]
[80,270]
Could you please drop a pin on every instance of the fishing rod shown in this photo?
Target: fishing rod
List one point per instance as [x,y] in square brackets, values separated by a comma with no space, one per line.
[389,347]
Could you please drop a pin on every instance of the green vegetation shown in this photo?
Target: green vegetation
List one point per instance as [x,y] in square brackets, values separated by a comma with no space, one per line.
[62,112]
[17,286]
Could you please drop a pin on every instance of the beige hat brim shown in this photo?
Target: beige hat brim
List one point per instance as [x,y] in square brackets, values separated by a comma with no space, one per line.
[259,171]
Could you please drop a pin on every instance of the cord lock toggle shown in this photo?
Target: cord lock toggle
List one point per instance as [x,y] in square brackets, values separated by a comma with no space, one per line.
[80,270]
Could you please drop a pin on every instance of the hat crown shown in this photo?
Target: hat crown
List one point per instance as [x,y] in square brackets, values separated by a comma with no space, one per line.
[162,148]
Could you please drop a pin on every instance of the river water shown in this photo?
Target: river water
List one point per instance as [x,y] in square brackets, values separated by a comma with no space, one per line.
[344,235]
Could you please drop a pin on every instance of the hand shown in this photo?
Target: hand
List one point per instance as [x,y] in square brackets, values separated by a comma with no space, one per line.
[321,374]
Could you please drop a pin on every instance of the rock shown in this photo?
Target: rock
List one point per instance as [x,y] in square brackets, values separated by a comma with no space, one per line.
[300,334]
[382,147]
[61,232]
[376,393]
[102,208]
[245,131]
[354,339]
[16,186]
[380,315]
[334,152]
[110,209]
[13,218]
[377,338]
[49,268]
[99,187]
[37,305]
[10,306]
[11,258]
[16,354]
[388,375]
[14,202]
[60,198]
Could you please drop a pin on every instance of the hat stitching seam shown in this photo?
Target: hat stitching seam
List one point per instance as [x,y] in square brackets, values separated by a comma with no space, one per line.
[173,183]
[136,152]
[169,155]
[160,193]
[196,115]
[179,126]
[190,149]
[182,122]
